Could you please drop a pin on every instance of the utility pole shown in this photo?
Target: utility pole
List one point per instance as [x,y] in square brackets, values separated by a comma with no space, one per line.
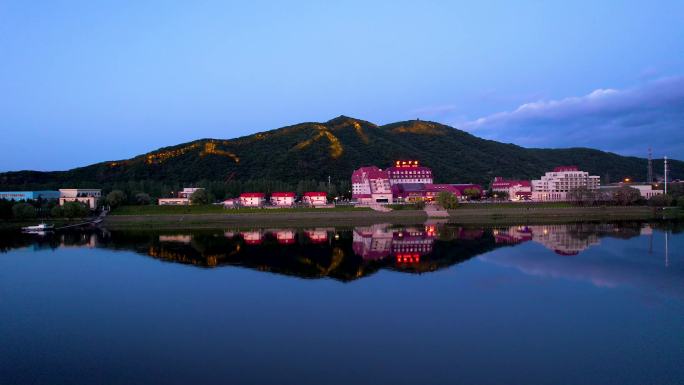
[665,175]
[649,178]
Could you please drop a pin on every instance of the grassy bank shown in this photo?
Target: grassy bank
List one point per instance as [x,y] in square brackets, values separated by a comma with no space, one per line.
[287,218]
[482,214]
[217,209]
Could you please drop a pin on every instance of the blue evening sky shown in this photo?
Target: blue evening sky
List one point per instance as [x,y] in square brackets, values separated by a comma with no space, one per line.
[89,81]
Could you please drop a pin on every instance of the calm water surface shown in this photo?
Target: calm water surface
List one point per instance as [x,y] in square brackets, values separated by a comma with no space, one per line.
[556,304]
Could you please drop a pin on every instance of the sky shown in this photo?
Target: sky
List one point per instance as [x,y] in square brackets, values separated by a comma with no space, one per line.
[84,82]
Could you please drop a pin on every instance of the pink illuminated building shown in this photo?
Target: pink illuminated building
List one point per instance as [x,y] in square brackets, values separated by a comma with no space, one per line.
[282,199]
[315,198]
[371,185]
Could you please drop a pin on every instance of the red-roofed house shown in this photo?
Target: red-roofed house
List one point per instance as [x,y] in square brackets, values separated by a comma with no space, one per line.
[252,237]
[317,235]
[252,199]
[315,198]
[285,237]
[282,199]
[516,189]
[371,185]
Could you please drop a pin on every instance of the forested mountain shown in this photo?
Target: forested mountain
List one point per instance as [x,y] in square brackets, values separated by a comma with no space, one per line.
[315,151]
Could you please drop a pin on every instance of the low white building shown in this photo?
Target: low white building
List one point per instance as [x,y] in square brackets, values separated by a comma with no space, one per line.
[252,199]
[86,196]
[282,199]
[555,185]
[315,198]
[181,199]
[230,203]
[174,201]
[646,190]
[188,191]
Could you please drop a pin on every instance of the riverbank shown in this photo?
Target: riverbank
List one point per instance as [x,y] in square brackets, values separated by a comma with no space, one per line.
[299,218]
[18,224]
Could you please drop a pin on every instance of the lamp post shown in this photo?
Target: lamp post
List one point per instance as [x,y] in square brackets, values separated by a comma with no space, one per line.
[665,166]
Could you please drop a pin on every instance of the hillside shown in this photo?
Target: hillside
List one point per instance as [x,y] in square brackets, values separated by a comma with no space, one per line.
[314,151]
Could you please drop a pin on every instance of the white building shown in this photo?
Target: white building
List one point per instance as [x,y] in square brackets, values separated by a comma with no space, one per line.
[252,199]
[555,185]
[182,198]
[315,198]
[188,191]
[87,196]
[282,199]
[646,190]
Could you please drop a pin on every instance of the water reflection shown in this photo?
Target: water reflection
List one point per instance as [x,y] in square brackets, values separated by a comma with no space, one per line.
[565,239]
[346,254]
[343,254]
[525,299]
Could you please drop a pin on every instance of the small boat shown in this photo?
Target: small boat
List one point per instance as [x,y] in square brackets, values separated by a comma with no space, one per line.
[41,228]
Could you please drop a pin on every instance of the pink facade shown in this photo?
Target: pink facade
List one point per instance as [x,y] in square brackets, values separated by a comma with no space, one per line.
[315,198]
[282,199]
[516,189]
[409,172]
[371,185]
[252,237]
[317,235]
[252,199]
[285,237]
[429,191]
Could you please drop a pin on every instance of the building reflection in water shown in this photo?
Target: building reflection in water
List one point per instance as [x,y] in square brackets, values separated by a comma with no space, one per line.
[180,238]
[406,245]
[342,254]
[318,235]
[562,239]
[253,237]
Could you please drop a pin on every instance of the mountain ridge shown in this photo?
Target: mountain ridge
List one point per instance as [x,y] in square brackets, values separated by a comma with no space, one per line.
[316,150]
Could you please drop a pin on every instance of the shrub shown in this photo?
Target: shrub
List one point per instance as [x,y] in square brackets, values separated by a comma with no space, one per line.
[115,198]
[75,210]
[142,199]
[200,197]
[626,195]
[660,200]
[57,212]
[447,200]
[23,211]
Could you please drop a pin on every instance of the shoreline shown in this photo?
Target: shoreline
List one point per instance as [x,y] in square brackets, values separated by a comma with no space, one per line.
[364,218]
[307,218]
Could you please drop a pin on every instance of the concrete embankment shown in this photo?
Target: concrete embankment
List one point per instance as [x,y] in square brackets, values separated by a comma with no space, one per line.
[484,215]
[549,214]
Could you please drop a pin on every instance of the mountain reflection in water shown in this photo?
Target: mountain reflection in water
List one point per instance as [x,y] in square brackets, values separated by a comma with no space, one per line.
[341,254]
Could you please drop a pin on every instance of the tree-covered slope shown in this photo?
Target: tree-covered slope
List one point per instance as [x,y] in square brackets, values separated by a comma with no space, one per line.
[335,148]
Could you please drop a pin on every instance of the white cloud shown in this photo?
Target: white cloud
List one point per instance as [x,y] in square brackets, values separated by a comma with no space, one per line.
[626,121]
